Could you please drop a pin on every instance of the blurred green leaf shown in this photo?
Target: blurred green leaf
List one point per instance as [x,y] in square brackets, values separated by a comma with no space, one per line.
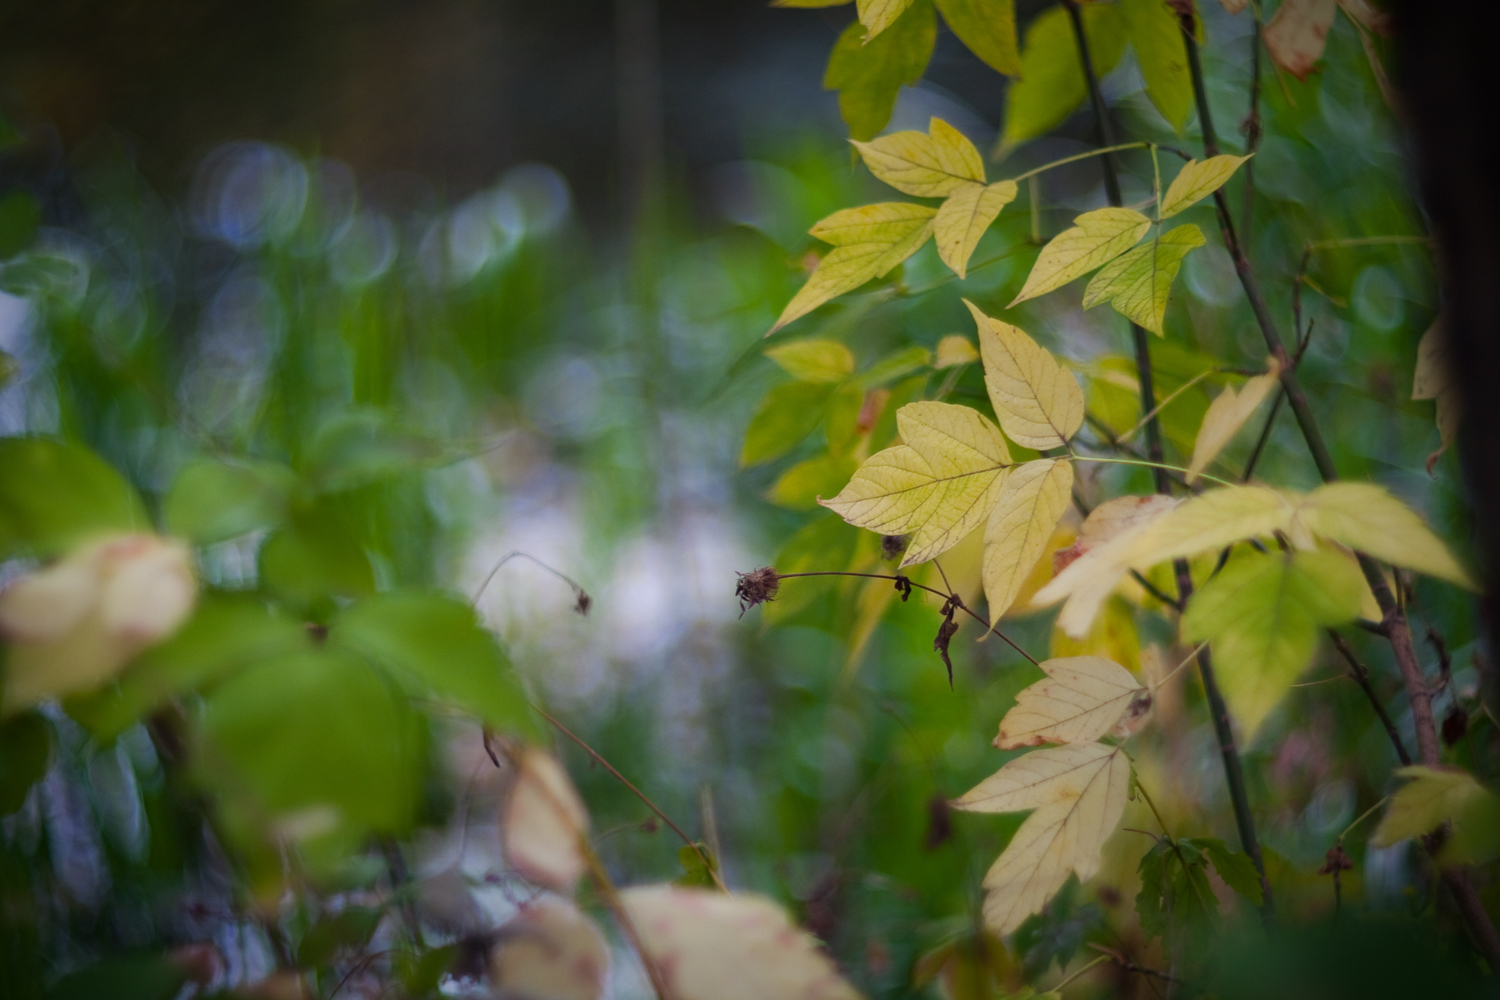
[314,557]
[893,366]
[345,930]
[25,755]
[1052,85]
[841,424]
[54,495]
[825,544]
[813,360]
[800,486]
[988,28]
[694,871]
[320,739]
[1174,889]
[437,640]
[143,977]
[786,415]
[361,447]
[1057,932]
[227,632]
[1237,870]
[421,973]
[210,500]
[1156,36]
[869,76]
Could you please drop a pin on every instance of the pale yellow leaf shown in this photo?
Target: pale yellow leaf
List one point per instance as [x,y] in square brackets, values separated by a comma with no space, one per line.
[877,15]
[1096,237]
[849,266]
[1212,520]
[542,821]
[964,217]
[1081,700]
[888,222]
[1138,282]
[926,166]
[1433,375]
[937,486]
[814,360]
[1038,401]
[1198,180]
[1366,518]
[1026,510]
[1295,35]
[550,950]
[1110,519]
[713,946]
[954,349]
[1433,797]
[1226,415]
[1064,535]
[1078,791]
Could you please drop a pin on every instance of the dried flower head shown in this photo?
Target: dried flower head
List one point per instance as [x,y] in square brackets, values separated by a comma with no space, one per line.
[1336,861]
[756,587]
[584,602]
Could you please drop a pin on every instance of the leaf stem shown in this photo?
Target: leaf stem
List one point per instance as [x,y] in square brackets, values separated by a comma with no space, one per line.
[1148,465]
[622,917]
[1190,658]
[1105,151]
[1098,961]
[1363,816]
[1163,404]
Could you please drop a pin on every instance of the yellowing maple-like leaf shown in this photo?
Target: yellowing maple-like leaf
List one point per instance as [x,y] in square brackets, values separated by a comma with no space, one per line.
[714,946]
[1198,180]
[1096,237]
[1438,795]
[933,165]
[1082,698]
[1138,282]
[1027,507]
[964,217]
[817,361]
[550,950]
[1295,35]
[1039,403]
[895,234]
[937,486]
[1366,518]
[954,349]
[542,821]
[1264,613]
[1227,414]
[1078,793]
[877,15]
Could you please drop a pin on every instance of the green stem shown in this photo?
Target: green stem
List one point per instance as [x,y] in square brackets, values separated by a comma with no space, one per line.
[1059,986]
[1106,151]
[1148,465]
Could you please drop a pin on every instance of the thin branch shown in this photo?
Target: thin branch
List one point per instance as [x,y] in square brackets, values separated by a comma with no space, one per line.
[622,917]
[580,595]
[1361,677]
[1105,151]
[1120,959]
[1155,592]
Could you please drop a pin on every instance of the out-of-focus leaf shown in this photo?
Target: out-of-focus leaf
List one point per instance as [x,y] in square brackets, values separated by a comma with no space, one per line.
[420,973]
[350,928]
[1096,237]
[933,164]
[1156,36]
[1263,613]
[542,822]
[1113,635]
[826,543]
[1435,796]
[1227,414]
[1037,401]
[954,349]
[695,872]
[436,639]
[54,495]
[362,446]
[988,28]
[814,360]
[20,215]
[550,950]
[937,487]
[139,977]
[1138,282]
[313,557]
[1051,84]
[804,485]
[963,218]
[841,425]
[893,366]
[1026,511]
[25,755]
[210,500]
[1294,37]
[1366,518]
[877,15]
[869,76]
[1237,870]
[1174,889]
[786,415]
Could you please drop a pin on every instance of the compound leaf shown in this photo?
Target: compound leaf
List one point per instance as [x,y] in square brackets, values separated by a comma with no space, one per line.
[1138,282]
[1096,238]
[1081,700]
[1039,403]
[930,165]
[963,218]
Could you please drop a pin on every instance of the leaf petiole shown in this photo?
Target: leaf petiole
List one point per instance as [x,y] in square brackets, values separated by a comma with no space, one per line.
[1081,156]
[1148,465]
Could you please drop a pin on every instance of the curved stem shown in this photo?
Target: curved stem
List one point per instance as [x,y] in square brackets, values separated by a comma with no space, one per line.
[1105,151]
[1148,465]
[1098,961]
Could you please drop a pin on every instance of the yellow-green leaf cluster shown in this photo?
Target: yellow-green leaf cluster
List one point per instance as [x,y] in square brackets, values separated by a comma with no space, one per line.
[1436,796]
[1052,83]
[1138,282]
[1227,414]
[869,75]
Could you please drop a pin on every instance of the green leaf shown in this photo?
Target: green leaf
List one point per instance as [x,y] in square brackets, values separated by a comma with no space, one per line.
[361,447]
[421,973]
[314,557]
[694,871]
[877,15]
[25,755]
[841,425]
[54,495]
[1150,901]
[816,360]
[1263,613]
[988,28]
[210,500]
[1174,889]
[1197,181]
[869,76]
[436,639]
[226,633]
[320,740]
[894,366]
[1138,282]
[786,415]
[351,928]
[1052,84]
[800,486]
[1156,36]
[1237,870]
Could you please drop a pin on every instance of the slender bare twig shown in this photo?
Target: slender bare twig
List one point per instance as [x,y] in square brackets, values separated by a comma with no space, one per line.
[1361,676]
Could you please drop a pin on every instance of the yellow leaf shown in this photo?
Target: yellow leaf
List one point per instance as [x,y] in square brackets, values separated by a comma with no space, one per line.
[926,166]
[1064,535]
[1295,35]
[1436,796]
[886,222]
[988,28]
[937,487]
[550,949]
[954,349]
[1197,181]
[1433,379]
[1138,282]
[1081,700]
[814,360]
[1038,401]
[1026,510]
[1095,238]
[964,217]
[847,267]
[1212,520]
[1112,636]
[877,15]
[1227,414]
[1078,791]
[542,822]
[1368,519]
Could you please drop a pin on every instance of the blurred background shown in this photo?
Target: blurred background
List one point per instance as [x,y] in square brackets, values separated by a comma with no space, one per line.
[513,263]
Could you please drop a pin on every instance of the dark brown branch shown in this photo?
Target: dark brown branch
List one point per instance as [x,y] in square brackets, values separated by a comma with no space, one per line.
[1361,677]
